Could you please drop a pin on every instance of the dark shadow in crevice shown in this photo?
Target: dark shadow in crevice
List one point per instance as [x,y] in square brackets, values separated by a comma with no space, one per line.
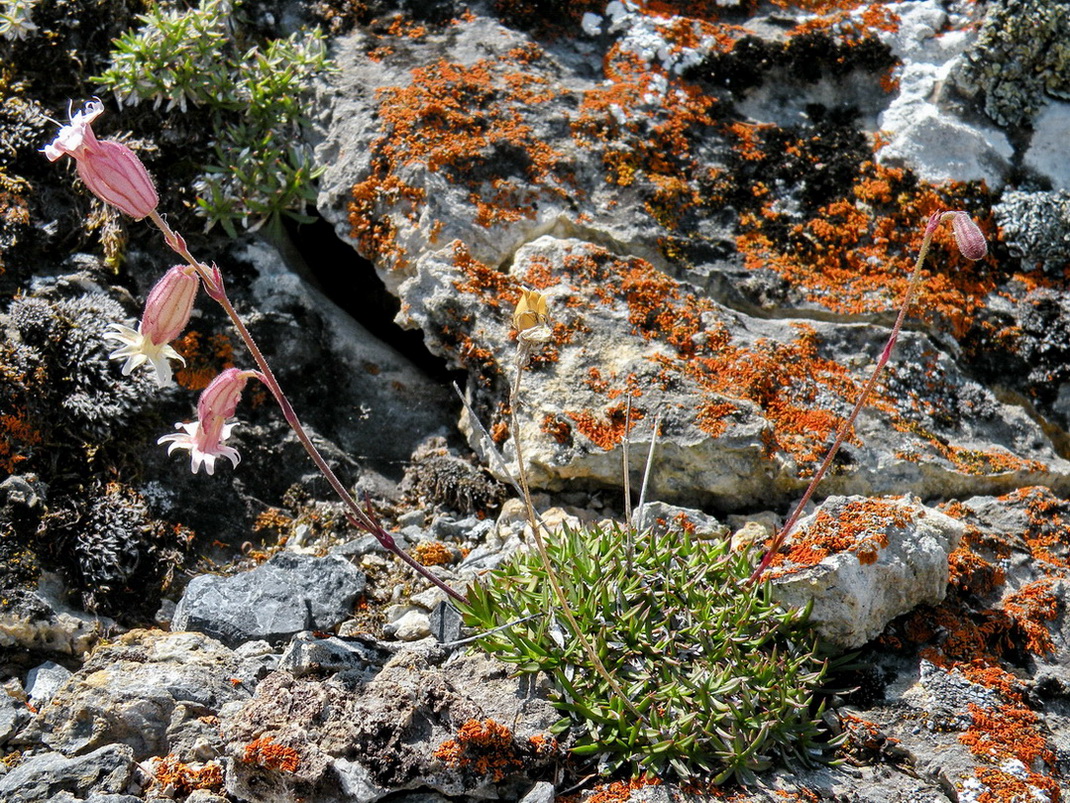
[350,281]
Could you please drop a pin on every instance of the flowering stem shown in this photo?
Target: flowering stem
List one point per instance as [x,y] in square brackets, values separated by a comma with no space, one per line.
[523,356]
[848,424]
[356,514]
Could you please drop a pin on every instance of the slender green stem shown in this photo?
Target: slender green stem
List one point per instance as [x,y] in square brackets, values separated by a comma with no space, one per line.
[544,556]
[848,424]
[356,514]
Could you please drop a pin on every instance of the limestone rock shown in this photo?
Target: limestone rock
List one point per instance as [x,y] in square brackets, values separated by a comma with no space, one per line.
[288,594]
[41,620]
[919,121]
[46,777]
[726,386]
[128,693]
[862,562]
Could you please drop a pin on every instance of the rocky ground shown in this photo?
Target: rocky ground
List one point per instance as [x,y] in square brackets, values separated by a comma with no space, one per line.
[722,203]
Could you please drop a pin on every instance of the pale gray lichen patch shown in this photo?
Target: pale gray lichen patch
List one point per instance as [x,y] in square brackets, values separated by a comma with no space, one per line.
[1021,55]
[1036,226]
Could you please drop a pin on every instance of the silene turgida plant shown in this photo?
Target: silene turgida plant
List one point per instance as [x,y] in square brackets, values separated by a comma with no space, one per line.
[667,653]
[117,176]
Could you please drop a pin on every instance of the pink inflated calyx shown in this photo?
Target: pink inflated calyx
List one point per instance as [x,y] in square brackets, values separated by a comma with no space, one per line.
[220,399]
[968,236]
[109,169]
[170,304]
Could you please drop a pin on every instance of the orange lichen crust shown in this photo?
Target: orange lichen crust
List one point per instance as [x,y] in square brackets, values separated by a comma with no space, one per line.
[471,124]
[801,393]
[613,792]
[488,748]
[265,753]
[861,527]
[175,776]
[432,553]
[983,628]
[205,357]
[19,437]
[854,255]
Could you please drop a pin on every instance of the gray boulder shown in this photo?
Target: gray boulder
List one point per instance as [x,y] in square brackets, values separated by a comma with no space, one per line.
[138,692]
[288,594]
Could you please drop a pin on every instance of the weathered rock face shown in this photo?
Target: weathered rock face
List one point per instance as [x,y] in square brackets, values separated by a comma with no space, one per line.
[53,777]
[135,691]
[510,165]
[746,404]
[404,728]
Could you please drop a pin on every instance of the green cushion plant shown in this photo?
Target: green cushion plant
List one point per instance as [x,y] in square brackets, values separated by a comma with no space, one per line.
[256,92]
[726,680]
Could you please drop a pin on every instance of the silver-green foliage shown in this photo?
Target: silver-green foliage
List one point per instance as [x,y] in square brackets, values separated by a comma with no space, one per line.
[257,96]
[724,677]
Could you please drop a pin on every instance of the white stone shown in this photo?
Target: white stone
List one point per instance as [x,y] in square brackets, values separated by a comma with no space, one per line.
[930,138]
[43,681]
[937,147]
[413,626]
[852,601]
[1047,149]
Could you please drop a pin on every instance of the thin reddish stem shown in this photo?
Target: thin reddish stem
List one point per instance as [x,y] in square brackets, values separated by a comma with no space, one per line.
[357,515]
[848,424]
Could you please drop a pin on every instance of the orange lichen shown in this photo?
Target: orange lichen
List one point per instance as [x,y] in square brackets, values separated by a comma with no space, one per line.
[492,286]
[270,755]
[860,527]
[404,27]
[1009,731]
[483,746]
[432,553]
[855,254]
[615,791]
[557,428]
[19,436]
[470,123]
[174,775]
[607,432]
[1031,607]
[205,357]
[1001,786]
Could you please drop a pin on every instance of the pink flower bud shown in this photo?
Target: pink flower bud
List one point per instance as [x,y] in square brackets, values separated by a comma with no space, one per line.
[220,399]
[169,304]
[110,169]
[968,236]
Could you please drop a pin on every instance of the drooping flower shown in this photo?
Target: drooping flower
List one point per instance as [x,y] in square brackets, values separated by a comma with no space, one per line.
[204,438]
[204,445]
[968,236]
[111,170]
[167,311]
